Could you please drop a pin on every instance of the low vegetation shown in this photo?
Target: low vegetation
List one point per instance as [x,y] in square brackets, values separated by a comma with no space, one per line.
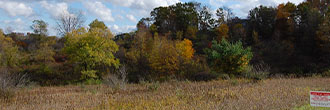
[10,83]
[270,94]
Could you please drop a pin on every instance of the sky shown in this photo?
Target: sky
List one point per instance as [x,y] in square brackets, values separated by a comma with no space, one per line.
[119,15]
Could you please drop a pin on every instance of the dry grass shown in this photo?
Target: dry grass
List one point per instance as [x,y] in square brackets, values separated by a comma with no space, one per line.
[215,95]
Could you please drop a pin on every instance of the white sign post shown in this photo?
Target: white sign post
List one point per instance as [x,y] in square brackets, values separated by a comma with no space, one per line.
[320,99]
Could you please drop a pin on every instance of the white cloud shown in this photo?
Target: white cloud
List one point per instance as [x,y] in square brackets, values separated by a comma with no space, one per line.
[115,27]
[144,6]
[131,17]
[242,7]
[125,3]
[150,4]
[55,9]
[122,29]
[99,10]
[16,8]
[18,25]
[119,17]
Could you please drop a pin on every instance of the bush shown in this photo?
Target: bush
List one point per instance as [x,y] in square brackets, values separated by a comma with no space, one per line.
[10,82]
[326,73]
[117,80]
[224,76]
[51,74]
[153,86]
[258,72]
[193,69]
[42,74]
[229,58]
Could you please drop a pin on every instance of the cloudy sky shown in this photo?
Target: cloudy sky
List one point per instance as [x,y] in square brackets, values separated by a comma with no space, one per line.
[118,15]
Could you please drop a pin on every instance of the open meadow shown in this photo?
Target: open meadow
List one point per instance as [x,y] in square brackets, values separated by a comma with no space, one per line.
[280,94]
[164,54]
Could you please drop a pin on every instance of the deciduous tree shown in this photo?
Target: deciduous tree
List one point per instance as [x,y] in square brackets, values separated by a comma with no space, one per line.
[39,27]
[222,32]
[9,53]
[90,51]
[98,27]
[67,22]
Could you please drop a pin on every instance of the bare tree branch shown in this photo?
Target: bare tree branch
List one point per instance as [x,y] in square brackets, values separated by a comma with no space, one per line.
[67,22]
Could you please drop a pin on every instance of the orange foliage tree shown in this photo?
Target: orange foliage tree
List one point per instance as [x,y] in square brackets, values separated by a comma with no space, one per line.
[185,49]
[222,32]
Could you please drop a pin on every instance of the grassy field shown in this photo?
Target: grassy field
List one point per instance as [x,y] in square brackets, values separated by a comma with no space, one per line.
[281,94]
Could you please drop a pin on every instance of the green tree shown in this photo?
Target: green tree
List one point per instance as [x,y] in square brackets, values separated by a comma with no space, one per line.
[262,20]
[309,21]
[229,58]
[90,51]
[98,24]
[39,27]
[176,17]
[99,28]
[191,33]
[323,35]
[45,52]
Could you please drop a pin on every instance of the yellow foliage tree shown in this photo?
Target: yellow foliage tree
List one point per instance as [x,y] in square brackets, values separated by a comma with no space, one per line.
[9,53]
[90,51]
[158,57]
[163,57]
[185,49]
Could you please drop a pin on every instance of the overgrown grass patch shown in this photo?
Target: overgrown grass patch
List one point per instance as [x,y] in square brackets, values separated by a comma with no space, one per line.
[271,94]
[308,107]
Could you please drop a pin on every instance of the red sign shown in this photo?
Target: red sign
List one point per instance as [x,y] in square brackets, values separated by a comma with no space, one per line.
[320,99]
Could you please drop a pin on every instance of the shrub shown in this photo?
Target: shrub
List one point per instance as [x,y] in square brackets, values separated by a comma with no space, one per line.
[10,82]
[224,76]
[92,82]
[258,72]
[117,80]
[51,74]
[230,58]
[192,69]
[41,74]
[153,86]
[326,73]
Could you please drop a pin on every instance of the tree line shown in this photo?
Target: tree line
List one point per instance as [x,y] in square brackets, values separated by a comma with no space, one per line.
[182,41]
